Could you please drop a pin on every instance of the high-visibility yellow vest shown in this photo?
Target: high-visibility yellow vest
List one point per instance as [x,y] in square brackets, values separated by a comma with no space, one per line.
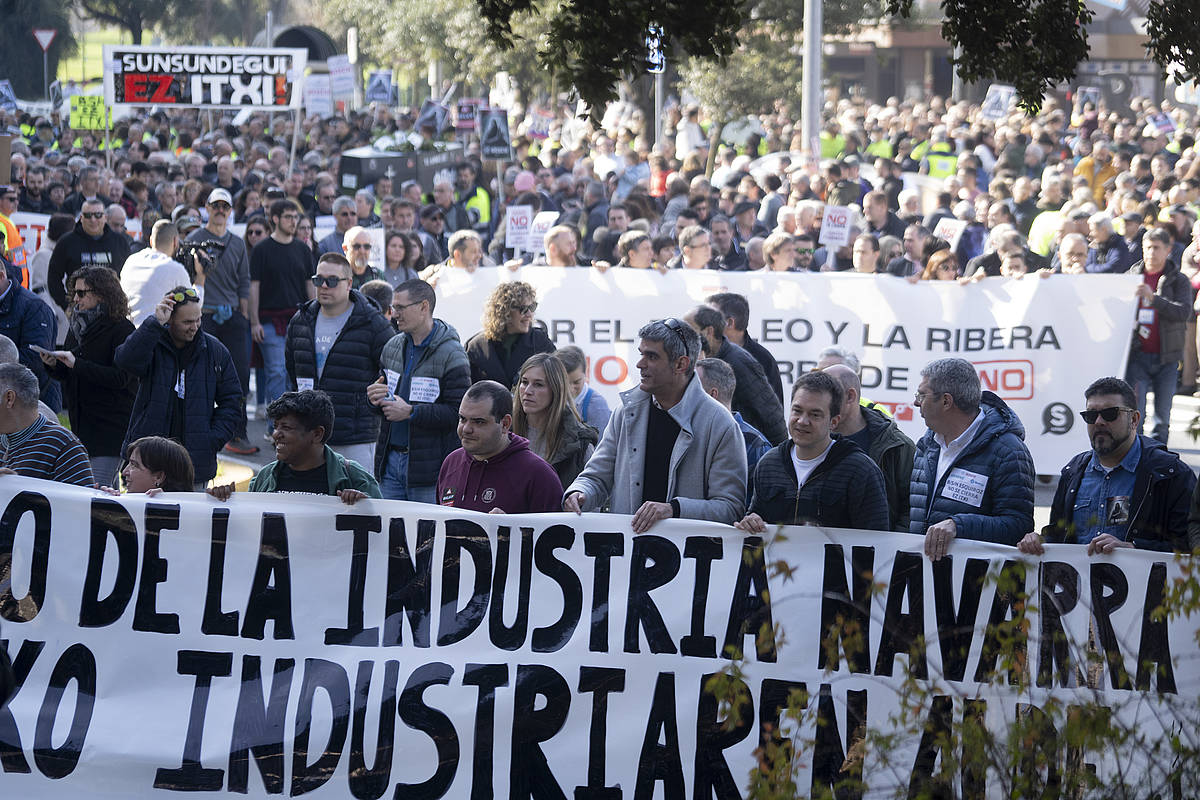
[942,161]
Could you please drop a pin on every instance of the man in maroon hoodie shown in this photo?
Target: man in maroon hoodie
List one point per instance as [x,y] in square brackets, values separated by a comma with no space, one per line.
[494,470]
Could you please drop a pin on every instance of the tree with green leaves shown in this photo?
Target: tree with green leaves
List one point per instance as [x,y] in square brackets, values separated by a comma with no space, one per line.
[20,54]
[1031,44]
[135,16]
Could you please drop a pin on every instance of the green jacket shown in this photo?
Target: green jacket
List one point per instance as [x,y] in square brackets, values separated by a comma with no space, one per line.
[342,474]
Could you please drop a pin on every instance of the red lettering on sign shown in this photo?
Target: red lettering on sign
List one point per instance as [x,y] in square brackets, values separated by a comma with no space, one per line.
[1010,380]
[622,374]
[162,88]
[135,88]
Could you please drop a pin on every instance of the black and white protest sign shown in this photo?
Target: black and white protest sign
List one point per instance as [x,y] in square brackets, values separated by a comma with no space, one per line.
[293,644]
[204,77]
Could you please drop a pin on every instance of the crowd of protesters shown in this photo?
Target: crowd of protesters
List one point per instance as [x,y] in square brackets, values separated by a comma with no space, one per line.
[251,270]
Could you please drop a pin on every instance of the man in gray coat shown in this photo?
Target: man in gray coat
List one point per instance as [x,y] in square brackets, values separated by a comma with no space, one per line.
[671,450]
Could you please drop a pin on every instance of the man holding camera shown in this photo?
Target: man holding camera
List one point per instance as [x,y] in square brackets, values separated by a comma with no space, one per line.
[151,273]
[226,308]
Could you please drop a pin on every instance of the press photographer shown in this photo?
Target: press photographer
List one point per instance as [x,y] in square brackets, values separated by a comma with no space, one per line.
[221,264]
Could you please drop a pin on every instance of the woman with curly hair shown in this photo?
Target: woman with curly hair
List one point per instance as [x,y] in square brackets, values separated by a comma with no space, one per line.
[509,336]
[99,395]
[544,413]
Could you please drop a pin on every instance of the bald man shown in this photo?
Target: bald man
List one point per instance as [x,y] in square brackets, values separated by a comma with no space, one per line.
[879,436]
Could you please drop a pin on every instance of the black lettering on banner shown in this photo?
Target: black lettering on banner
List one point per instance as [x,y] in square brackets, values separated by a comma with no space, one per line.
[1004,625]
[258,725]
[832,771]
[354,634]
[602,547]
[330,678]
[1059,592]
[12,754]
[601,682]
[369,783]
[190,776]
[146,616]
[27,607]
[271,589]
[974,759]
[215,621]
[434,724]
[846,618]
[1110,589]
[904,633]
[464,536]
[409,584]
[109,516]
[714,736]
[488,677]
[750,609]
[956,628]
[773,697]
[554,637]
[705,549]
[510,637]
[654,562]
[935,737]
[659,759]
[530,771]
[75,664]
[1039,754]
[1155,647]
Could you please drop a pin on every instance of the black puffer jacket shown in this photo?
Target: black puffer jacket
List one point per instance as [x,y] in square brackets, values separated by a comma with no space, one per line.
[845,490]
[213,395]
[99,394]
[490,361]
[352,363]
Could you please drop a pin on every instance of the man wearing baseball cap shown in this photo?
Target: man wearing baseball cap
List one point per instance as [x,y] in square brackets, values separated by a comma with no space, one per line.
[226,309]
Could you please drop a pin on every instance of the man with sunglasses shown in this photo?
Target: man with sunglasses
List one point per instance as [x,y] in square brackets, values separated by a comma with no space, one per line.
[1127,491]
[91,244]
[334,344]
[671,450]
[188,387]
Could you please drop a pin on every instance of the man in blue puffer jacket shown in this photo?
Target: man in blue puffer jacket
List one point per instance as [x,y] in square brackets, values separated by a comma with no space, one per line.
[188,387]
[972,474]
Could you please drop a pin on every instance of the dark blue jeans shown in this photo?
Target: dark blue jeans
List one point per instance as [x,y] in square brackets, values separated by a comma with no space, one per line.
[1147,372]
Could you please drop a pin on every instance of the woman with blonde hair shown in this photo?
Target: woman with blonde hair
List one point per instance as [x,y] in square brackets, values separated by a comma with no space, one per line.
[942,266]
[544,413]
[509,336]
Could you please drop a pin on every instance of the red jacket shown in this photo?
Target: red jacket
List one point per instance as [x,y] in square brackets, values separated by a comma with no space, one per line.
[516,481]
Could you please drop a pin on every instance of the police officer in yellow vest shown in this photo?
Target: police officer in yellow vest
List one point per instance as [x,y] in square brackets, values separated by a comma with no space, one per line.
[474,197]
[940,160]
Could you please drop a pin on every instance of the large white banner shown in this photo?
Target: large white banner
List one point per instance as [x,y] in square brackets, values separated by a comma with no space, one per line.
[1037,342]
[297,645]
[269,78]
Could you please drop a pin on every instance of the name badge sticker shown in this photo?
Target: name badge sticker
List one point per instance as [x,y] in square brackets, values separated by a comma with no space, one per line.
[965,486]
[304,384]
[424,390]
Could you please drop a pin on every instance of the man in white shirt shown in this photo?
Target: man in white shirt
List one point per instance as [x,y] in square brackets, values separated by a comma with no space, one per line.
[149,274]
